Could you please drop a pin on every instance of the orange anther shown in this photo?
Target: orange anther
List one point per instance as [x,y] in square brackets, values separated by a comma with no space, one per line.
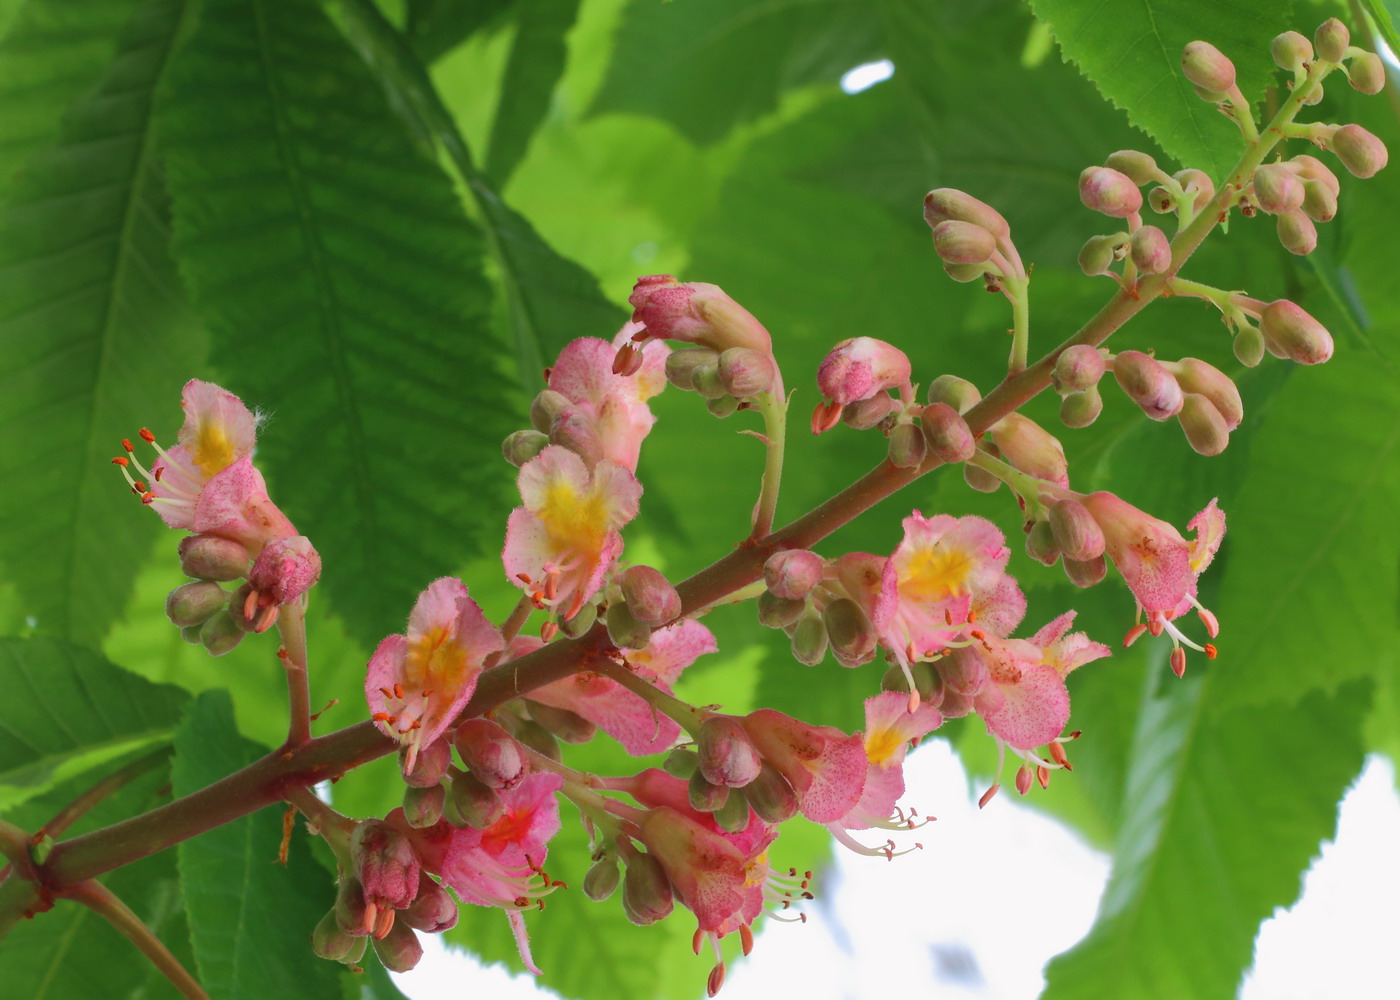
[696,940]
[382,717]
[1210,651]
[121,460]
[398,690]
[160,471]
[126,443]
[386,692]
[746,938]
[147,436]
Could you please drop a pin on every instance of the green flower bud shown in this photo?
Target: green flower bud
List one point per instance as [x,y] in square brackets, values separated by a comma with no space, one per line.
[705,380]
[190,633]
[1076,532]
[1331,39]
[546,407]
[852,637]
[1208,68]
[1290,50]
[1297,233]
[349,906]
[1203,425]
[601,879]
[1367,73]
[771,796]
[957,392]
[1278,189]
[1080,409]
[1197,183]
[195,603]
[947,434]
[209,557]
[220,634]
[624,629]
[1248,346]
[1195,375]
[422,807]
[1079,367]
[430,766]
[733,816]
[1106,190]
[1137,166]
[943,204]
[681,365]
[399,950]
[1360,151]
[583,620]
[980,479]
[329,940]
[779,612]
[471,803]
[565,725]
[1031,448]
[646,891]
[809,640]
[963,273]
[521,446]
[907,446]
[1086,574]
[724,406]
[1319,201]
[681,762]
[1099,254]
[1292,331]
[704,796]
[864,414]
[1151,250]
[1040,544]
[963,242]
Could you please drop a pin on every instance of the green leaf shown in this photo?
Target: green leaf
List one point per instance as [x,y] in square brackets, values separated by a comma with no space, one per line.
[536,64]
[1212,840]
[1132,52]
[250,918]
[437,26]
[1380,10]
[93,329]
[69,711]
[339,277]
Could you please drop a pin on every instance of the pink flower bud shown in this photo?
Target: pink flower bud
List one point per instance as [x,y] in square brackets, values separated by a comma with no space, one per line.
[285,569]
[649,596]
[1076,532]
[623,628]
[423,807]
[859,368]
[1151,250]
[195,603]
[521,446]
[864,414]
[947,434]
[399,950]
[1367,73]
[1297,233]
[1203,425]
[1198,184]
[429,766]
[726,754]
[809,640]
[1041,545]
[1319,201]
[907,448]
[779,612]
[793,573]
[957,392]
[386,865]
[963,242]
[210,557]
[1207,67]
[1099,254]
[1105,190]
[492,754]
[682,364]
[646,891]
[1292,331]
[1148,384]
[1086,574]
[681,762]
[943,204]
[577,432]
[472,803]
[1277,188]
[601,879]
[704,795]
[1195,375]
[1290,50]
[434,911]
[1137,166]
[1332,39]
[1311,168]
[696,312]
[747,373]
[1080,409]
[853,639]
[964,671]
[1030,448]
[1079,367]
[1360,151]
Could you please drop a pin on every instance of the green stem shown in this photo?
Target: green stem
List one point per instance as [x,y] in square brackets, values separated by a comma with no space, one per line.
[19,899]
[1019,290]
[1027,487]
[15,845]
[773,407]
[291,628]
[334,827]
[105,904]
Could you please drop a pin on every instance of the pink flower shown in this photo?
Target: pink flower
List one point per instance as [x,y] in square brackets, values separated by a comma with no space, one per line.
[861,367]
[825,767]
[562,543]
[695,312]
[614,407]
[417,683]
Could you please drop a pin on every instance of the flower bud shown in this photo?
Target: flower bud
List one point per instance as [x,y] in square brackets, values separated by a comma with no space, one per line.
[779,612]
[1332,39]
[1360,151]
[1080,409]
[1319,201]
[907,446]
[434,911]
[963,670]
[210,557]
[220,634]
[1079,366]
[601,879]
[722,406]
[809,640]
[1248,346]
[1290,50]
[623,628]
[943,204]
[681,365]
[1160,200]
[195,603]
[864,414]
[792,573]
[705,796]
[430,766]
[1367,73]
[1084,574]
[399,950]
[349,906]
[1151,250]
[852,637]
[963,273]
[546,407]
[1148,384]
[1207,68]
[1297,233]
[422,807]
[957,392]
[575,431]
[963,242]
[285,569]
[491,753]
[1203,425]
[385,863]
[1030,448]
[1040,544]
[330,940]
[947,434]
[1277,188]
[1198,184]
[861,367]
[190,633]
[1195,375]
[681,762]
[646,891]
[771,796]
[726,754]
[733,816]
[1105,190]
[696,312]
[747,373]
[980,479]
[567,726]
[472,803]
[1311,168]
[650,597]
[1099,254]
[1135,165]
[1286,326]
[533,735]
[583,620]
[1076,532]
[521,446]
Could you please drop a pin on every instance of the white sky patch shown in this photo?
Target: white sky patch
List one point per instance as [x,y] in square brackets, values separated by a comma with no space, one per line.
[866,75]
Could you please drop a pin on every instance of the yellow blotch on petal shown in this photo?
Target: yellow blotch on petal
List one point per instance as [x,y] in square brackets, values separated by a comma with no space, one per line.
[578,520]
[212,448]
[933,574]
[882,744]
[436,662]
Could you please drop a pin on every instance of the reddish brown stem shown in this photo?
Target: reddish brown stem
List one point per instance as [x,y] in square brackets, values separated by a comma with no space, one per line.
[105,904]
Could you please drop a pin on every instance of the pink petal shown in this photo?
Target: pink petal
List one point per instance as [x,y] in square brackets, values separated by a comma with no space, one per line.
[1034,711]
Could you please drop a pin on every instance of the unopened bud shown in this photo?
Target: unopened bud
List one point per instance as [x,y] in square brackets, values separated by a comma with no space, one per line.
[210,557]
[1135,165]
[583,620]
[705,380]
[434,911]
[705,796]
[623,628]
[399,950]
[980,479]
[957,392]
[1278,189]
[1331,39]
[1080,409]
[385,863]
[746,372]
[1106,190]
[567,726]
[579,434]
[852,637]
[861,367]
[1031,448]
[771,796]
[472,803]
[190,633]
[682,364]
[1311,168]
[330,940]
[792,573]
[1297,233]
[1207,68]
[947,434]
[1195,375]
[1289,328]
[681,762]
[493,755]
[1041,545]
[1076,532]
[964,273]
[1160,200]
[1099,254]
[601,879]
[546,407]
[650,597]
[809,641]
[963,242]
[195,603]
[1079,367]
[1367,73]
[429,766]
[220,634]
[1291,50]
[349,906]
[539,739]
[1084,574]
[422,807]
[646,891]
[1319,201]
[779,612]
[907,447]
[864,414]
[1151,250]
[1198,184]
[1360,151]
[285,569]
[726,754]
[1148,384]
[521,446]
[1248,346]
[1203,425]
[943,204]
[733,816]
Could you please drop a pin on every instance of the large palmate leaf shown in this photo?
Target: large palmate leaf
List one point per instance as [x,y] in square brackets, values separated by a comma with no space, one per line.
[340,279]
[95,338]
[536,64]
[1132,52]
[68,711]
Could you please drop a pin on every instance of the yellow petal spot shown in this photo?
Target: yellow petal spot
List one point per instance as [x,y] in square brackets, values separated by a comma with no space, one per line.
[756,870]
[436,662]
[882,744]
[212,448]
[574,520]
[932,574]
